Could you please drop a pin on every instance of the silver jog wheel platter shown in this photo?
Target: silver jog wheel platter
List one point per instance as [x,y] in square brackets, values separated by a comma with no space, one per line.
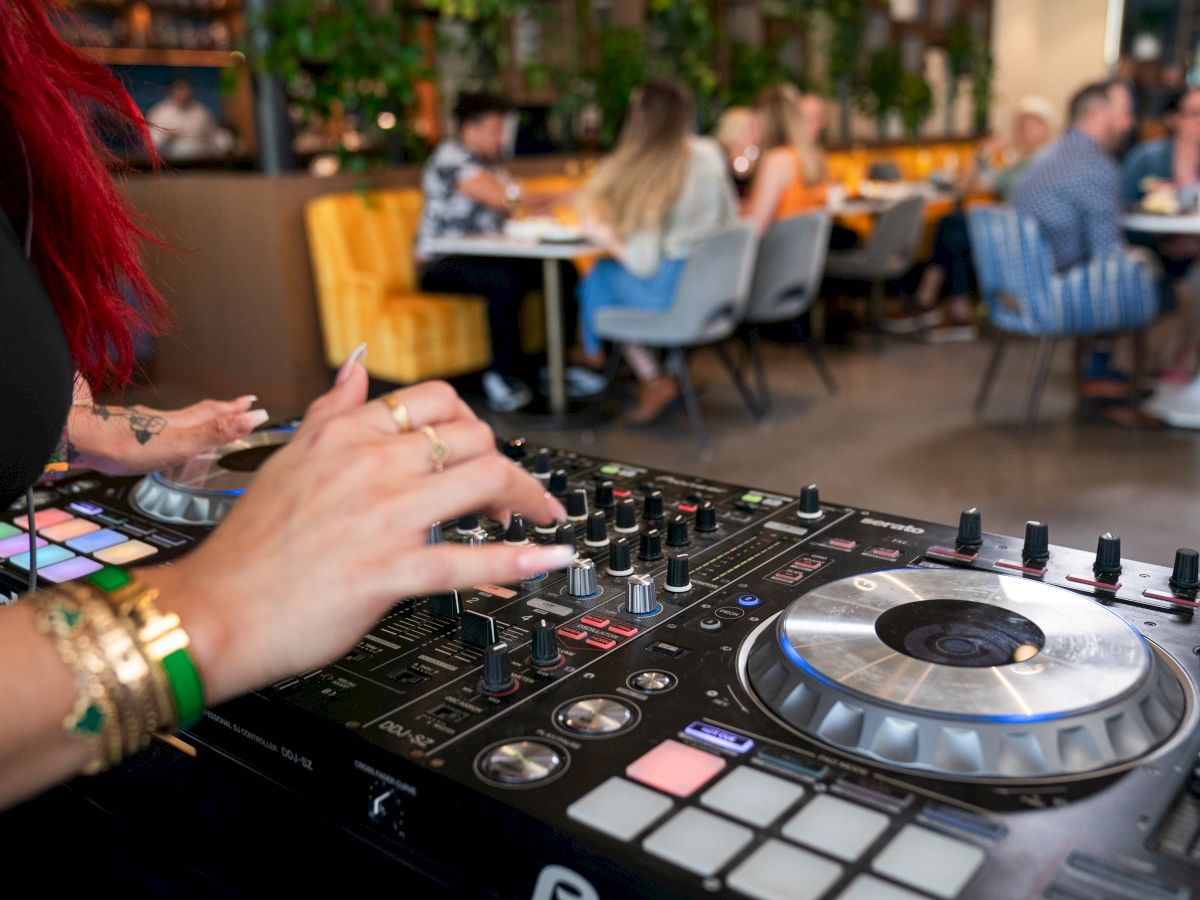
[202,490]
[970,675]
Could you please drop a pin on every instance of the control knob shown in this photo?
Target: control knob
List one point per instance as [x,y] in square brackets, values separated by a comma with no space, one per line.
[541,464]
[577,505]
[558,483]
[515,533]
[581,578]
[678,579]
[604,495]
[706,517]
[810,503]
[545,653]
[597,529]
[1185,574]
[652,506]
[1036,549]
[497,670]
[641,596]
[650,545]
[1108,556]
[626,516]
[970,531]
[677,532]
[619,563]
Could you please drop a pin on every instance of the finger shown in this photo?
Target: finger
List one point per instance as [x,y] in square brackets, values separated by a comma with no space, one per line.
[464,441]
[350,392]
[219,430]
[448,566]
[428,403]
[210,409]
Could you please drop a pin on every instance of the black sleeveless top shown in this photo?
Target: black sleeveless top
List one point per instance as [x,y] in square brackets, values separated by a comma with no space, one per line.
[36,372]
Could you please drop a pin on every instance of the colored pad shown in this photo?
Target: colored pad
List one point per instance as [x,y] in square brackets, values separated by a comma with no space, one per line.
[17,544]
[675,768]
[67,530]
[120,554]
[752,796]
[97,540]
[44,517]
[47,557]
[929,861]
[837,827]
[779,871]
[619,808]
[7,530]
[697,841]
[70,570]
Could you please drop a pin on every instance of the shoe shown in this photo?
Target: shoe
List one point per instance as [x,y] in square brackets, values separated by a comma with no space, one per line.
[949,332]
[653,399]
[577,356]
[505,393]
[581,382]
[904,322]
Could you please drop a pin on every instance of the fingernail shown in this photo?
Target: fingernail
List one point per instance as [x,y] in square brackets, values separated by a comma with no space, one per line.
[248,398]
[556,507]
[357,355]
[254,418]
[543,559]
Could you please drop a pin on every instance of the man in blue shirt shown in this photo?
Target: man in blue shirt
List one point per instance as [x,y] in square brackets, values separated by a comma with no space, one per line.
[1073,189]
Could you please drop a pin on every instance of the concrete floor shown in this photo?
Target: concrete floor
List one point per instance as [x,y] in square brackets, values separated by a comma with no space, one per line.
[901,437]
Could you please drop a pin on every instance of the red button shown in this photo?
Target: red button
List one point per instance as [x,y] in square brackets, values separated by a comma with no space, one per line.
[602,642]
[573,633]
[687,507]
[623,630]
[811,564]
[595,621]
[675,768]
[622,493]
[886,553]
[843,543]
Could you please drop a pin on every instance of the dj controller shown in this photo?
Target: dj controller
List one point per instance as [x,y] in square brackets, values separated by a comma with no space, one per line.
[730,692]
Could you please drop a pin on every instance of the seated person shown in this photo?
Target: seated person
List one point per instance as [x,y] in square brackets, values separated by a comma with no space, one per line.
[183,128]
[468,192]
[792,176]
[658,195]
[738,134]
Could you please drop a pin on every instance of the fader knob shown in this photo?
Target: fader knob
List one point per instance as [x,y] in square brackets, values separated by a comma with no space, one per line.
[565,534]
[1108,555]
[652,506]
[577,505]
[597,529]
[678,579]
[970,531]
[1185,574]
[677,532]
[626,516]
[541,464]
[434,535]
[604,495]
[476,538]
[1036,549]
[810,503]
[581,578]
[650,545]
[515,449]
[515,533]
[619,562]
[447,604]
[545,653]
[641,597]
[706,517]
[467,523]
[558,483]
[497,669]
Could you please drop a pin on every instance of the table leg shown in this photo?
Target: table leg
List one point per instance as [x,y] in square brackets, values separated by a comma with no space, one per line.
[552,292]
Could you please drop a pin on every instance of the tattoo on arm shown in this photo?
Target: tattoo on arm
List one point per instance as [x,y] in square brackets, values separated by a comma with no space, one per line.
[144,426]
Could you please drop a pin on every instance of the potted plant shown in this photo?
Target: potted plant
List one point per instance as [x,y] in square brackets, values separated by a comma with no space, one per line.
[848,23]
[983,71]
[960,56]
[881,94]
[915,102]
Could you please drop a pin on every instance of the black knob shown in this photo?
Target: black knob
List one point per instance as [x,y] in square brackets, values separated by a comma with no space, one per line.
[1108,555]
[545,652]
[446,604]
[678,578]
[577,506]
[597,529]
[434,535]
[1036,549]
[650,545]
[677,532]
[619,562]
[1185,574]
[970,531]
[652,506]
[541,463]
[627,515]
[497,669]
[565,534]
[604,495]
[810,503]
[515,449]
[558,483]
[515,533]
[706,517]
[469,522]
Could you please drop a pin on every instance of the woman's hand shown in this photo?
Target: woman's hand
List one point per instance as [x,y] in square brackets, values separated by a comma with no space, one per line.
[602,235]
[129,440]
[332,533]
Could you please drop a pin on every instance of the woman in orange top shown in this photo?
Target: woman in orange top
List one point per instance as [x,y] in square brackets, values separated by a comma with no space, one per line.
[792,176]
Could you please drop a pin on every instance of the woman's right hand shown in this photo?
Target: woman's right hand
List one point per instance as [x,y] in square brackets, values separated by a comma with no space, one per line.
[332,533]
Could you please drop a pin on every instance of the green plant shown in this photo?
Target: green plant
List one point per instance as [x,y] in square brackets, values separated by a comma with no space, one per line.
[343,61]
[750,70]
[983,71]
[621,68]
[916,102]
[960,51]
[486,44]
[881,91]
[848,24]
[683,44]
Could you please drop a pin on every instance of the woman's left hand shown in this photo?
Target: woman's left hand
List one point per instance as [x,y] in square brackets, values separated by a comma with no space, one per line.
[130,440]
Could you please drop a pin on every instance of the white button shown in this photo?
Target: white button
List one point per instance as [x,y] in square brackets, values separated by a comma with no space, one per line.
[836,827]
[779,871]
[752,796]
[619,808]
[698,841]
[868,887]
[929,861]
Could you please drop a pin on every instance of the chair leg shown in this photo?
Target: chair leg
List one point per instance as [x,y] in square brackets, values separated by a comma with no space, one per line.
[989,374]
[747,395]
[754,344]
[816,355]
[875,314]
[1139,365]
[677,360]
[612,365]
[1040,369]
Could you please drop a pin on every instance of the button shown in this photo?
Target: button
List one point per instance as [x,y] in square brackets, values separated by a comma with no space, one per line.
[623,630]
[687,507]
[719,737]
[751,796]
[610,469]
[619,808]
[675,768]
[697,841]
[64,531]
[748,600]
[595,621]
[595,716]
[752,498]
[521,762]
[137,530]
[109,519]
[97,540]
[573,633]
[47,557]
[69,570]
[555,609]
[667,649]
[17,544]
[929,861]
[652,681]
[88,509]
[778,871]
[837,827]
[710,624]
[7,531]
[43,518]
[810,564]
[119,554]
[842,543]
[772,501]
[884,552]
[868,887]
[729,612]
[602,642]
[167,540]
[622,493]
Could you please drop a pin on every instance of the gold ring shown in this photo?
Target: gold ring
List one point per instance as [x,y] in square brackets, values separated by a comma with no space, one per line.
[438,451]
[399,412]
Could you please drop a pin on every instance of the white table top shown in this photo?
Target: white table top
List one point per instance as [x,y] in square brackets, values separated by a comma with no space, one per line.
[1158,224]
[502,245]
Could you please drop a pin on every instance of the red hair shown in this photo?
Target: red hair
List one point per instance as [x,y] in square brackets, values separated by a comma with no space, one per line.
[85,239]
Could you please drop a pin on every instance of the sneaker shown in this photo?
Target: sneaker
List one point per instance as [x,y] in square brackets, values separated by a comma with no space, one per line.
[903,322]
[949,332]
[505,393]
[581,382]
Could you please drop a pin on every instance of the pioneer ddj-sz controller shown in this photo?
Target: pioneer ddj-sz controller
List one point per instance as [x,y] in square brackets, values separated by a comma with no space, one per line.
[730,692]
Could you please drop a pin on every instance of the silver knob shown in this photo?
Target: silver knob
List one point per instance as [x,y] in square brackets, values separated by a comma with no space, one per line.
[435,534]
[581,578]
[477,538]
[641,596]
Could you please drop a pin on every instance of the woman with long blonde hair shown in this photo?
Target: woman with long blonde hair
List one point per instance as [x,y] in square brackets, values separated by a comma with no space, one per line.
[792,176]
[649,204]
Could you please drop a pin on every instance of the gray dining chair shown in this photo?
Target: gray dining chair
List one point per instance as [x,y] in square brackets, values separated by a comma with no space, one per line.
[890,251]
[787,282]
[709,305]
